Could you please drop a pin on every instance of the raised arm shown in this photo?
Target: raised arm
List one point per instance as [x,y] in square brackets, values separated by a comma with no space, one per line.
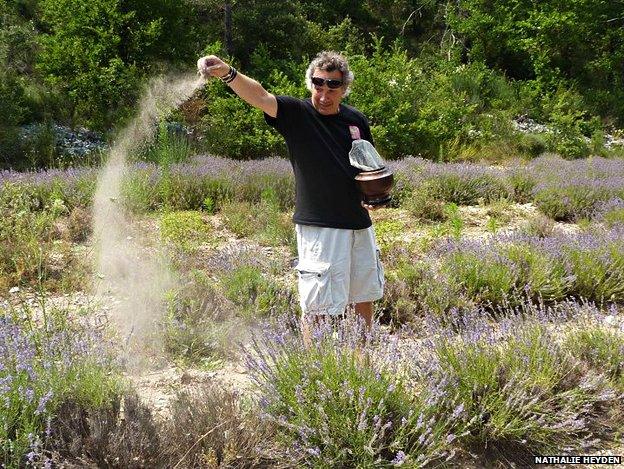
[247,88]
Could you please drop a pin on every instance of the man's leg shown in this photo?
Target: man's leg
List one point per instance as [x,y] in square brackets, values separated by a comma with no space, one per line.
[365,311]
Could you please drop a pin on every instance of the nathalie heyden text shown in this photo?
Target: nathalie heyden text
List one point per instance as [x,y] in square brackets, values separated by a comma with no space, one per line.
[578,459]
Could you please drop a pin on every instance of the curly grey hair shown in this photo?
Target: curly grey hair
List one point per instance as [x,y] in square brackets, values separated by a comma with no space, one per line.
[330,61]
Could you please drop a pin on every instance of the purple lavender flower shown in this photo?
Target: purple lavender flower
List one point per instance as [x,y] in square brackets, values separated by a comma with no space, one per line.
[399,459]
[43,401]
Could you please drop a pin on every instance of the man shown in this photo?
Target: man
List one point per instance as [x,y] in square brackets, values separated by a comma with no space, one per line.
[338,256]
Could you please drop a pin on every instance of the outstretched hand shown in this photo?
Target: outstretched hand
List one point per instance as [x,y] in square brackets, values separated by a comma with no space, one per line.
[212,66]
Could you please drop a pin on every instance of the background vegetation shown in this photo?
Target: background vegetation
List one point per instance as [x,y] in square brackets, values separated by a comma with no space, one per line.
[500,330]
[437,78]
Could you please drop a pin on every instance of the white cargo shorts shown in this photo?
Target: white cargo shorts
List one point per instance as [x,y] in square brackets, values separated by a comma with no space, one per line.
[337,267]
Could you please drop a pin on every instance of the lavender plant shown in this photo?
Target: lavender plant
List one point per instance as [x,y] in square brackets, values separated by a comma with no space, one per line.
[611,212]
[509,269]
[255,294]
[336,407]
[597,263]
[601,347]
[519,390]
[568,190]
[41,367]
[200,326]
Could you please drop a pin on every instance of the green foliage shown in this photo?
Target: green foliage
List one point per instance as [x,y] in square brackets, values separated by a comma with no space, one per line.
[85,64]
[343,408]
[196,329]
[170,146]
[263,220]
[277,227]
[96,53]
[254,293]
[571,202]
[485,280]
[549,44]
[26,236]
[239,218]
[388,233]
[599,272]
[423,204]
[44,366]
[521,183]
[516,388]
[602,348]
[233,128]
[614,217]
[467,189]
[418,288]
[454,220]
[186,229]
[545,277]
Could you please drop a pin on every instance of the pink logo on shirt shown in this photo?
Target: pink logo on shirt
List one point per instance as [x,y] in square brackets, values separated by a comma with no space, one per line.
[355,132]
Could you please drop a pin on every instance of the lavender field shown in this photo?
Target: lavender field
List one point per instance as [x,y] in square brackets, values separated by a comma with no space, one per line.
[500,335]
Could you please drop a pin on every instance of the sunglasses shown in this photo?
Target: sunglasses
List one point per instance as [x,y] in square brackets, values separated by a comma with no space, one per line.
[332,84]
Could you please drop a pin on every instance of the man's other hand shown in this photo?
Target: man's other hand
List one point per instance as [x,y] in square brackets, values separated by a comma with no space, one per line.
[372,207]
[212,66]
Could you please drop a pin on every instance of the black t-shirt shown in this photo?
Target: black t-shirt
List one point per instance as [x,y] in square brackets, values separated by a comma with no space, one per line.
[326,192]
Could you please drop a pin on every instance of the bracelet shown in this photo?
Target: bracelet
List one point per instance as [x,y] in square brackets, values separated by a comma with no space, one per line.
[229,76]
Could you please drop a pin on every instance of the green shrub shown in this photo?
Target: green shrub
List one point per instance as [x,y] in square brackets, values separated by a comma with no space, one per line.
[568,203]
[485,279]
[522,183]
[388,233]
[453,220]
[186,229]
[208,205]
[278,228]
[343,409]
[544,278]
[424,205]
[234,129]
[141,191]
[263,220]
[170,146]
[199,327]
[255,294]
[532,145]
[516,388]
[239,218]
[45,365]
[602,348]
[26,236]
[614,217]
[79,225]
[82,61]
[598,272]
[415,289]
[467,189]
[40,148]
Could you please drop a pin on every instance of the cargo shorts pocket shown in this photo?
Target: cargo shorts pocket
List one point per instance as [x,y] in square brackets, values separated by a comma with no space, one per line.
[314,286]
[380,270]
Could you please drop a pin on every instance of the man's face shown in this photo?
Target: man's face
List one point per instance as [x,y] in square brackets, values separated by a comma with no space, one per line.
[324,99]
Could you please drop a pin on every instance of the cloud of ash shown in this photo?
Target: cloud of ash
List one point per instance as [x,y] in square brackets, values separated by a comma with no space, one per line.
[135,277]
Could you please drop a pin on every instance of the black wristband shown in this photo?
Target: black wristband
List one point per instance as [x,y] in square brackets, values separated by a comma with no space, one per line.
[227,77]
[230,76]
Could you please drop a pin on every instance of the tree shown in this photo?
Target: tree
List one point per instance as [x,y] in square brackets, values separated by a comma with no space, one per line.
[97,53]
